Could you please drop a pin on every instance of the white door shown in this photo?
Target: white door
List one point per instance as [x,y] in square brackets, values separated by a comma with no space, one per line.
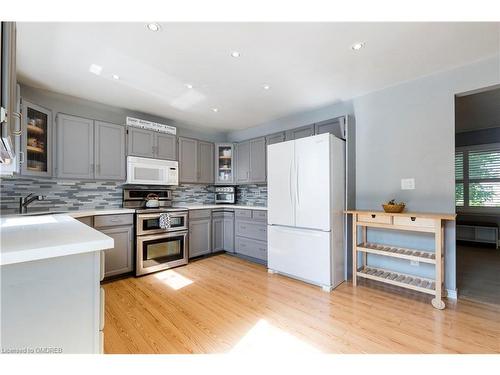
[280,184]
[300,253]
[312,174]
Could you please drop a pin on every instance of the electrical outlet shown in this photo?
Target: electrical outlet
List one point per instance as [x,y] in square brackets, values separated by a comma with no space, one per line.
[415,263]
[407,184]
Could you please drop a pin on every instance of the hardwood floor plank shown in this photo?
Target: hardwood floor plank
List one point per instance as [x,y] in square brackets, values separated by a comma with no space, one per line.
[223,303]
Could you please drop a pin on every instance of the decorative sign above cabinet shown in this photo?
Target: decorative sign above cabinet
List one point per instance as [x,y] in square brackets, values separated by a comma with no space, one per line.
[162,128]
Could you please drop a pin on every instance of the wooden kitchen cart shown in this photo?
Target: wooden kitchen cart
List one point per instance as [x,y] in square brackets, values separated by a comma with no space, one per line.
[406,221]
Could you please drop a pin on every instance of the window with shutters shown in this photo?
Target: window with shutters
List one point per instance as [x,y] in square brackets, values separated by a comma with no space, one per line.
[477,176]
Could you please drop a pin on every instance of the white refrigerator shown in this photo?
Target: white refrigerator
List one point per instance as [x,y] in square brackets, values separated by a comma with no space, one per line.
[306,200]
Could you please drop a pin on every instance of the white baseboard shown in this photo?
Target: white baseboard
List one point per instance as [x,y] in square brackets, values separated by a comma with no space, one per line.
[452,293]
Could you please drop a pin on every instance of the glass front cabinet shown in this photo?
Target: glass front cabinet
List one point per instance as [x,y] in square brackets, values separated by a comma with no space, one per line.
[36,146]
[224,163]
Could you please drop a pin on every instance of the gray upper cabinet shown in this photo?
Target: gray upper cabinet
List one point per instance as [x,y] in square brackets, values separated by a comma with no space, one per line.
[188,160]
[36,141]
[258,160]
[243,162]
[141,142]
[334,126]
[205,162]
[196,161]
[75,147]
[109,151]
[151,144]
[302,132]
[251,161]
[166,146]
[275,138]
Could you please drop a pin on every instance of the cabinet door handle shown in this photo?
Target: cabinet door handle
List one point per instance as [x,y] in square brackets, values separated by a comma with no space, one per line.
[21,157]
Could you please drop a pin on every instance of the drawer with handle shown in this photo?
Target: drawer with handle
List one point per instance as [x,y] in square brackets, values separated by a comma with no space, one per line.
[253,230]
[199,214]
[415,222]
[259,215]
[113,220]
[374,218]
[251,248]
[243,214]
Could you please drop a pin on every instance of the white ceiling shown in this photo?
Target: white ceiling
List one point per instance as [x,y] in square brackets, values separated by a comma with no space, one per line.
[307,65]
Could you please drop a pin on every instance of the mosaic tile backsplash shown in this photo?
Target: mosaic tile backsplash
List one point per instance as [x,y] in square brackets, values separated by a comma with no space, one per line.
[252,195]
[70,195]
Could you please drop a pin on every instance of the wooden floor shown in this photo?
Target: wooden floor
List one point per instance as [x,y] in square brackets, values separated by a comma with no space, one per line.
[224,304]
[478,273]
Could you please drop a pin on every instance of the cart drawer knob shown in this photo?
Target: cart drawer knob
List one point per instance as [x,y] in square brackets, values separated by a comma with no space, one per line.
[373,216]
[413,218]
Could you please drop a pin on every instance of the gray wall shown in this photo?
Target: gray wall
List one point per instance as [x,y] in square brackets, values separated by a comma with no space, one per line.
[85,108]
[409,131]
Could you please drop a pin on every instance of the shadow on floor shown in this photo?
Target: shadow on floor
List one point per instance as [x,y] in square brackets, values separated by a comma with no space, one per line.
[478,273]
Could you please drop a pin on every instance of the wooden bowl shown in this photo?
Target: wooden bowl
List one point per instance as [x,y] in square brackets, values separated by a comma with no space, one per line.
[393,208]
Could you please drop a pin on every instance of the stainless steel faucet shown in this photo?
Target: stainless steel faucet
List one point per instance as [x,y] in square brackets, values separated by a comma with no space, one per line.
[25,201]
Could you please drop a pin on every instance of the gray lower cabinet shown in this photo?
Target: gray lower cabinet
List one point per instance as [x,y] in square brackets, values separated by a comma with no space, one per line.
[120,227]
[223,231]
[302,132]
[251,161]
[109,151]
[75,147]
[196,161]
[229,232]
[217,233]
[275,138]
[251,233]
[119,260]
[140,142]
[200,233]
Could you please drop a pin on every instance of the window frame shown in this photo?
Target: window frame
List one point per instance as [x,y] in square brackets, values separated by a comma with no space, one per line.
[466,181]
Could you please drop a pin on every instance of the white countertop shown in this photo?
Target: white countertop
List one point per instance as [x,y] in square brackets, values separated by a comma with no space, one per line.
[211,206]
[76,214]
[29,238]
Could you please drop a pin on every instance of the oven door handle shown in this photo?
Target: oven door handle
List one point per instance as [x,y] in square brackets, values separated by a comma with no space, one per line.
[162,235]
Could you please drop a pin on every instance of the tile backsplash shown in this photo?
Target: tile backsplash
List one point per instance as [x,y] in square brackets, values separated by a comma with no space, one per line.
[252,195]
[69,195]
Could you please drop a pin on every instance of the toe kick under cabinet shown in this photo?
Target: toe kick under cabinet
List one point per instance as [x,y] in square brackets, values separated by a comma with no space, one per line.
[432,223]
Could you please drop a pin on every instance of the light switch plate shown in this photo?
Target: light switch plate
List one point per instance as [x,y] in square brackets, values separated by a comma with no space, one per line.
[407,184]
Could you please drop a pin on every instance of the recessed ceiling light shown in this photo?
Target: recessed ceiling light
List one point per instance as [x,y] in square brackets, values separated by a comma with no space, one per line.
[357,46]
[116,76]
[153,26]
[189,86]
[266,87]
[96,69]
[215,109]
[235,54]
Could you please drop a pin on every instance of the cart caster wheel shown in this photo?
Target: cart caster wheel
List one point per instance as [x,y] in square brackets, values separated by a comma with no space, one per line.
[438,304]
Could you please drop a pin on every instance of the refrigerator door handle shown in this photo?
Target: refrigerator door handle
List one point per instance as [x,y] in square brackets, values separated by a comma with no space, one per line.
[290,181]
[297,184]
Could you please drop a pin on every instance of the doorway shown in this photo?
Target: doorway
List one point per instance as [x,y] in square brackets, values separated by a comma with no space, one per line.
[477,194]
